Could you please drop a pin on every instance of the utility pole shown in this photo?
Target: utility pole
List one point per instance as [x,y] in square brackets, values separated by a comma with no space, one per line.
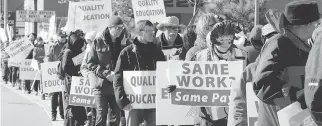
[5,17]
[256,13]
[35,23]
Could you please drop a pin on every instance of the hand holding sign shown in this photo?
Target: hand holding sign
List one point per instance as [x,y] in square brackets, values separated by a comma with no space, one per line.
[110,76]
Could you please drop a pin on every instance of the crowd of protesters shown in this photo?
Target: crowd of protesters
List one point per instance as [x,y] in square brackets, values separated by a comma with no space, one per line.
[290,39]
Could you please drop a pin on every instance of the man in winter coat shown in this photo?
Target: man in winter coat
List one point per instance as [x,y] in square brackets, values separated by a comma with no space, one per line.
[142,55]
[277,81]
[56,97]
[170,40]
[101,61]
[313,78]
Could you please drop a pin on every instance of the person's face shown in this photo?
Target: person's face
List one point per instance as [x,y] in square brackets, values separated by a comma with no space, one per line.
[32,38]
[116,31]
[171,33]
[225,42]
[147,34]
[61,39]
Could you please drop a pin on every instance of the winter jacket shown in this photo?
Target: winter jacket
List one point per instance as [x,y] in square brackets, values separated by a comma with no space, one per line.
[101,60]
[73,48]
[200,44]
[282,62]
[54,51]
[252,53]
[313,76]
[39,53]
[208,55]
[135,57]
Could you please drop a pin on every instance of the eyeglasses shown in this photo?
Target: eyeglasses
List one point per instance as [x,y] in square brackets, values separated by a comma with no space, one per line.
[172,28]
[117,27]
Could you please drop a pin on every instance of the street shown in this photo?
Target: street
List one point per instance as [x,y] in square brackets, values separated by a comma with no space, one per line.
[19,110]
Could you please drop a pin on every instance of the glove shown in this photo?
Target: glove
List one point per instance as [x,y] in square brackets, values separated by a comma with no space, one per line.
[171,88]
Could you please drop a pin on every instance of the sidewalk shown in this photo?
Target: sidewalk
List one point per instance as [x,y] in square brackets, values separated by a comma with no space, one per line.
[45,104]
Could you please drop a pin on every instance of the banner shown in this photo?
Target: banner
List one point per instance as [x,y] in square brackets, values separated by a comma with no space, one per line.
[12,62]
[152,10]
[203,84]
[140,88]
[27,72]
[19,49]
[51,83]
[252,105]
[167,113]
[77,60]
[81,92]
[294,115]
[34,15]
[89,16]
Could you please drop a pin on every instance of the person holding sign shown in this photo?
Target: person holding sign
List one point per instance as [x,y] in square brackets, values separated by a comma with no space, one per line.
[53,55]
[32,37]
[170,40]
[139,56]
[279,76]
[100,60]
[39,55]
[74,115]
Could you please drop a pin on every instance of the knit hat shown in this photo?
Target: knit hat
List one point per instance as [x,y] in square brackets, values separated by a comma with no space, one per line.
[91,35]
[114,20]
[267,29]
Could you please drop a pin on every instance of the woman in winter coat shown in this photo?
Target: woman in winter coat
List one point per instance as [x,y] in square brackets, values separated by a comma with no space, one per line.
[39,55]
[220,47]
[203,27]
[74,115]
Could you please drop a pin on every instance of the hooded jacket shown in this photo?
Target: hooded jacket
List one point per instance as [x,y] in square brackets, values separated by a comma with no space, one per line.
[313,76]
[135,57]
[282,62]
[73,48]
[101,61]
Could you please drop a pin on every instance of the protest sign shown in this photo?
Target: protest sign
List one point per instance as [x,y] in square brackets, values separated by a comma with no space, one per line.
[51,83]
[252,105]
[27,72]
[81,92]
[140,88]
[184,115]
[19,49]
[203,83]
[89,16]
[152,10]
[287,115]
[34,15]
[12,62]
[303,118]
[34,64]
[77,60]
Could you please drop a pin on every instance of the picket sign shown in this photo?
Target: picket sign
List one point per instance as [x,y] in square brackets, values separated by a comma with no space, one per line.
[140,88]
[153,10]
[50,81]
[81,92]
[252,105]
[12,62]
[294,115]
[19,49]
[203,84]
[77,60]
[167,113]
[27,72]
[34,64]
[89,16]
